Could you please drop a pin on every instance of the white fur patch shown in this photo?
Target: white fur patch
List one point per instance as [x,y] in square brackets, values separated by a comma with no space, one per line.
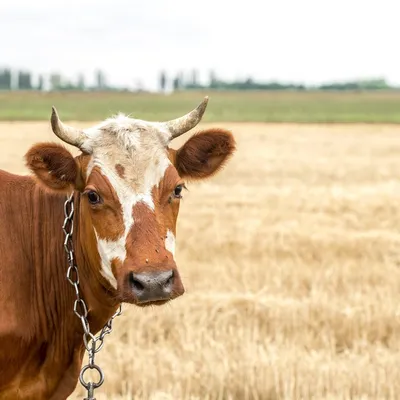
[154,175]
[108,251]
[126,130]
[145,198]
[170,242]
[128,198]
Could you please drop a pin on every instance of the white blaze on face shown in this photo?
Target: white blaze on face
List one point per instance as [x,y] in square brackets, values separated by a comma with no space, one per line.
[109,250]
[170,242]
[115,249]
[153,163]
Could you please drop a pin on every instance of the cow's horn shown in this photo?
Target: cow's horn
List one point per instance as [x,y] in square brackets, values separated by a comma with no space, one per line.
[183,124]
[66,133]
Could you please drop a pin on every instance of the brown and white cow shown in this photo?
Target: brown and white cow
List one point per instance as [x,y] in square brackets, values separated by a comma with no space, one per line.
[127,185]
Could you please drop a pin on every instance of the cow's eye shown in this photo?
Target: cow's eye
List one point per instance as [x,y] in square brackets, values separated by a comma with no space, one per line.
[93,197]
[178,192]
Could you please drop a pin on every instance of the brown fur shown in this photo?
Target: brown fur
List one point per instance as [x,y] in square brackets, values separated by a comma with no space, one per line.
[53,165]
[106,216]
[40,337]
[120,170]
[146,250]
[204,154]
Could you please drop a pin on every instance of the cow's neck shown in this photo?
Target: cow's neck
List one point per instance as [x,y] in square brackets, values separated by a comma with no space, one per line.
[54,294]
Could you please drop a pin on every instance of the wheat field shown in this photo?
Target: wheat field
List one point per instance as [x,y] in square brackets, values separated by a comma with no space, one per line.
[290,259]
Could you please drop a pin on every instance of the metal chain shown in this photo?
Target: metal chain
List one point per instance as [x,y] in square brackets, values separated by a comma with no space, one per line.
[92,344]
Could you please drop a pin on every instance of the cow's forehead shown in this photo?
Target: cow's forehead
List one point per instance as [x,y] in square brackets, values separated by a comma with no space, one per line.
[135,150]
[127,133]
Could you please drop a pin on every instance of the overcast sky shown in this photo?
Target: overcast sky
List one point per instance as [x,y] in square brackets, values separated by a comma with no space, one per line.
[290,40]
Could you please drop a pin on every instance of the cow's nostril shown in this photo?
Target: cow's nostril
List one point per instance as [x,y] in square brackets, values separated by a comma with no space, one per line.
[136,284]
[170,281]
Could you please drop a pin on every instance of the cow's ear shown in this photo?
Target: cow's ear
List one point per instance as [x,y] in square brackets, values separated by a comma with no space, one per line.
[204,154]
[53,165]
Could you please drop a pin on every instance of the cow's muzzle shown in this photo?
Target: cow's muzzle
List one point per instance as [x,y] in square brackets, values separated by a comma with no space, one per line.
[155,287]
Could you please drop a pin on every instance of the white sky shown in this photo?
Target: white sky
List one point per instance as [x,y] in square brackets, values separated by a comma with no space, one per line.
[306,41]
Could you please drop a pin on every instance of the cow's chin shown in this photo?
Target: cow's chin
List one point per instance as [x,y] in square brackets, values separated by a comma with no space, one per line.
[131,299]
[153,303]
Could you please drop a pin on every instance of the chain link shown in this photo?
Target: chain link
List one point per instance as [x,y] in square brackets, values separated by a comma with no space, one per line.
[93,344]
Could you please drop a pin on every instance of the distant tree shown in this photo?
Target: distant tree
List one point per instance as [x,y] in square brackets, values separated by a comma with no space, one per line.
[213,79]
[163,81]
[181,80]
[249,83]
[24,80]
[5,79]
[100,80]
[40,85]
[176,83]
[194,79]
[8,78]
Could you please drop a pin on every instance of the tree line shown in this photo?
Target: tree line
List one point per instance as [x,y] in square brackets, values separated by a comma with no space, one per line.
[22,80]
[178,82]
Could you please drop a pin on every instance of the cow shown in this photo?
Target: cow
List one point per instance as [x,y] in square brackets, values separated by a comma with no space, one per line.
[125,184]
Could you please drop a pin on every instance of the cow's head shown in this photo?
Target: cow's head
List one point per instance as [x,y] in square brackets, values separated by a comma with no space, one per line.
[130,185]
